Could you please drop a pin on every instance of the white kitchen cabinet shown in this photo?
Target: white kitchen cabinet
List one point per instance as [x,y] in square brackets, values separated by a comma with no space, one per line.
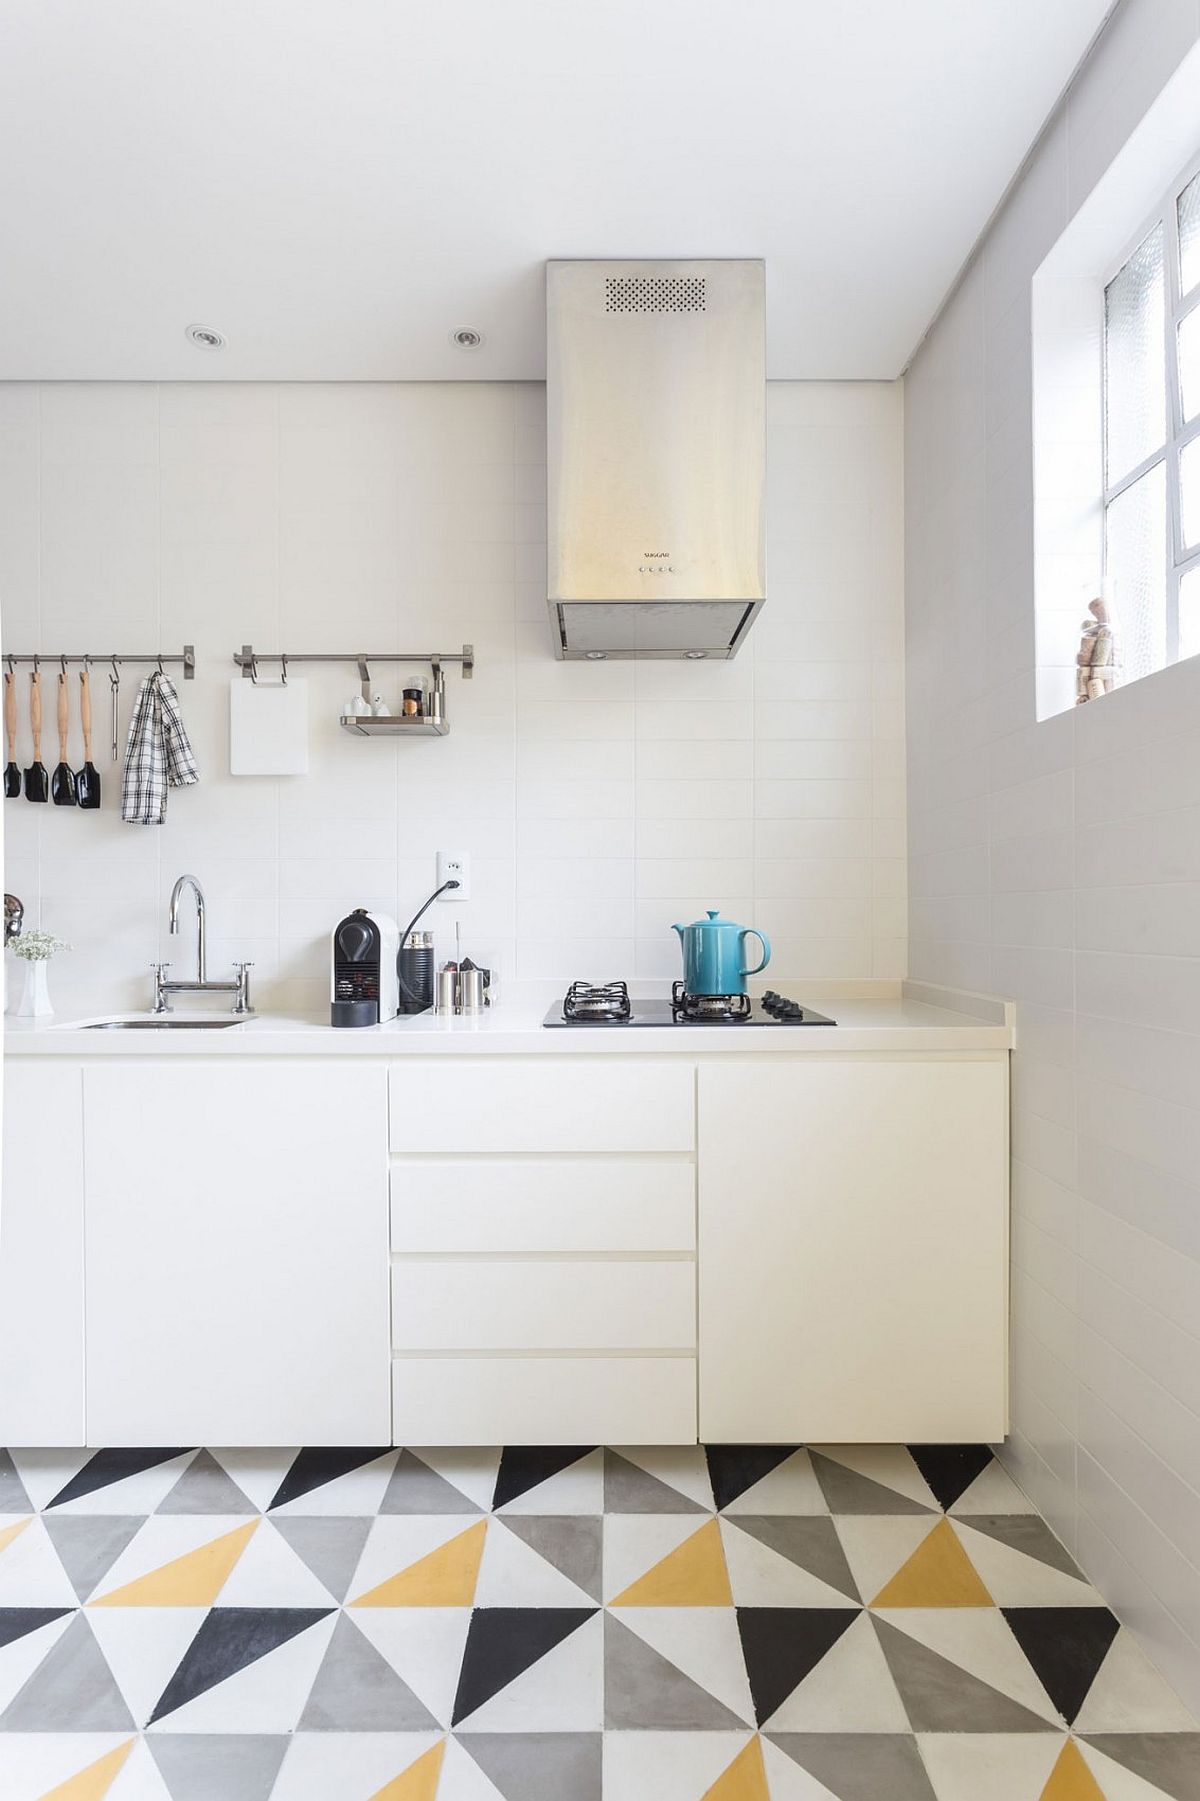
[510,1304]
[41,1256]
[543,1105]
[545,1400]
[853,1249]
[544,1204]
[236,1253]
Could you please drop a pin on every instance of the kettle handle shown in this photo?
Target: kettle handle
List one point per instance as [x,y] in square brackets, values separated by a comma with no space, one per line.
[753,932]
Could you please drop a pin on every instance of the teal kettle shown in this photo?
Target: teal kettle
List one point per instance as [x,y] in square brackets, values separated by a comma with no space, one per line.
[714,955]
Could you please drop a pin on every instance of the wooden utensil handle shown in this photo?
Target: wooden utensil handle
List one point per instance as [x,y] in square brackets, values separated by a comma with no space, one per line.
[85,712]
[35,714]
[64,716]
[10,716]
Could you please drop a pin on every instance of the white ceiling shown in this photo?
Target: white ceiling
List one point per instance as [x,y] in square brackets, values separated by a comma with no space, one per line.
[337,184]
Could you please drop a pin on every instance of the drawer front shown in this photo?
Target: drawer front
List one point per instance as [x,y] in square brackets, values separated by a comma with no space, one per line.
[543,1306]
[528,1106]
[544,1204]
[544,1400]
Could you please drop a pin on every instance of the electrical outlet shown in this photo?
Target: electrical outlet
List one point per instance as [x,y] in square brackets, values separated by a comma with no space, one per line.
[453,866]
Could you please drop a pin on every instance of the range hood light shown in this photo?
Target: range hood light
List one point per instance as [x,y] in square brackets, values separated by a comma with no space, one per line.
[694,656]
[596,656]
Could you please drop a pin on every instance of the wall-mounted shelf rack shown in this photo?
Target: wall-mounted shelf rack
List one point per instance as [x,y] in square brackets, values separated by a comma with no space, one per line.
[432,724]
[186,657]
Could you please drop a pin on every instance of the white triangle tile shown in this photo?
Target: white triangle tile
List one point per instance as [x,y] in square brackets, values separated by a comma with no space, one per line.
[703,1642]
[397,1540]
[1014,1580]
[788,1782]
[1129,1695]
[462,1778]
[30,1572]
[163,1538]
[876,1546]
[143,1647]
[512,1574]
[850,1690]
[978,1640]
[989,1766]
[139,1778]
[133,1494]
[889,1464]
[267,1696]
[357,1492]
[270,1574]
[666,1766]
[561,1692]
[318,1765]
[44,1473]
[577,1489]
[257,1473]
[682,1467]
[424,1645]
[33,1763]
[20,1658]
[1116,1782]
[789,1488]
[993,1491]
[760,1577]
[472,1470]
[635,1542]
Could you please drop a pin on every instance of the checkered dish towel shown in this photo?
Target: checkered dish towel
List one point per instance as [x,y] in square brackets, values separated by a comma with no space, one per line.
[157,753]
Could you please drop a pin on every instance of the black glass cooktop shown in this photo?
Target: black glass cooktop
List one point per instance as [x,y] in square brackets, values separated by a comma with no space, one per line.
[769,1009]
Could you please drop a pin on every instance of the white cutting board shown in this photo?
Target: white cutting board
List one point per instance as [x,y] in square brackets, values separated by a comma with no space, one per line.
[268,727]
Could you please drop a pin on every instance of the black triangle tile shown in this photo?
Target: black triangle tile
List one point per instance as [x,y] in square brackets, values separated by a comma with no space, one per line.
[522,1467]
[950,1469]
[13,1497]
[644,1691]
[845,1491]
[88,1544]
[229,1640]
[1066,1646]
[19,1622]
[415,1488]
[107,1467]
[313,1469]
[502,1642]
[782,1645]
[732,1469]
[1168,1761]
[631,1489]
[940,1696]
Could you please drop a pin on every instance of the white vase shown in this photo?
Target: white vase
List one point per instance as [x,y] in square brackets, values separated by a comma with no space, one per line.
[35,1000]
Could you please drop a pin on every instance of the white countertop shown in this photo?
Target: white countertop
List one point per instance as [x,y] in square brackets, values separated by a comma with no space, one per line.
[882,1021]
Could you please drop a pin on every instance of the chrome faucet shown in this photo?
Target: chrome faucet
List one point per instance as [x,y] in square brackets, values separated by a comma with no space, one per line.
[164,989]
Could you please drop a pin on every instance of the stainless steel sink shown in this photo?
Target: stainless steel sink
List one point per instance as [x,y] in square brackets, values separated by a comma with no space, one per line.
[161,1025]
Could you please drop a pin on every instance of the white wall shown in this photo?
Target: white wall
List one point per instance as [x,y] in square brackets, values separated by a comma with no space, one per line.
[598,803]
[1060,863]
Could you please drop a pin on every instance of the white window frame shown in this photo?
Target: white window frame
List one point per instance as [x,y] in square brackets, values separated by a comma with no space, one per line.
[1180,559]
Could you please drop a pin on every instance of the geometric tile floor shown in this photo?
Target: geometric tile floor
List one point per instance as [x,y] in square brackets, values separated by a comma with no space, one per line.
[745,1623]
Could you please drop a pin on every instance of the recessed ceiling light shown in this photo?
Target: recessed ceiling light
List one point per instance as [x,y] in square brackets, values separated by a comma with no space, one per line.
[467,338]
[695,656]
[596,656]
[204,337]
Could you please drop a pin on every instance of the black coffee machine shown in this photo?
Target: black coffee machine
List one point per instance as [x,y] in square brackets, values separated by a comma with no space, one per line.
[363,986]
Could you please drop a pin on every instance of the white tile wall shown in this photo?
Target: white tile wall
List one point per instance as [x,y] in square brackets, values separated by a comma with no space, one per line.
[598,803]
[1060,864]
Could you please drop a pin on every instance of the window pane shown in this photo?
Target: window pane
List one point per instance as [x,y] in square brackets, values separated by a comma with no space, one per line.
[1189,492]
[1189,236]
[1189,613]
[1189,362]
[1134,360]
[1136,562]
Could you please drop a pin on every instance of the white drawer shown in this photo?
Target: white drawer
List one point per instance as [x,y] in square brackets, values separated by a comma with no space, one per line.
[543,1306]
[543,1204]
[531,1105]
[544,1400]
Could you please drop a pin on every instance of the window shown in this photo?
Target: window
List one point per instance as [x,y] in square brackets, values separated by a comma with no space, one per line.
[1151,378]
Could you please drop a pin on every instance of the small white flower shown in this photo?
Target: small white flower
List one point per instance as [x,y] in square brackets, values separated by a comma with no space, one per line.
[38,947]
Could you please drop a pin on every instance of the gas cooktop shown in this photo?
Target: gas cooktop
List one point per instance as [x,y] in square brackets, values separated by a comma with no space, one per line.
[611,1004]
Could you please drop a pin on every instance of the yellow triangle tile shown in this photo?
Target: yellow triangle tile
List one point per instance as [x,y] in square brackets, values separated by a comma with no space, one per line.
[938,1574]
[1070,1779]
[417,1783]
[693,1575]
[8,1533]
[93,1783]
[193,1580]
[443,1578]
[744,1780]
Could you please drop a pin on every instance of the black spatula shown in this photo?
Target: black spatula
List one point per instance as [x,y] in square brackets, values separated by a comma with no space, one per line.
[62,784]
[12,775]
[87,782]
[37,782]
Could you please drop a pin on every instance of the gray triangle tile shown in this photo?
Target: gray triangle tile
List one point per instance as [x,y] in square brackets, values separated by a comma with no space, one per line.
[811,1542]
[205,1487]
[642,1690]
[1027,1533]
[200,1766]
[628,1489]
[415,1488]
[939,1696]
[13,1497]
[330,1545]
[88,1544]
[72,1690]
[1169,1761]
[860,1766]
[357,1690]
[539,1766]
[573,1543]
[846,1491]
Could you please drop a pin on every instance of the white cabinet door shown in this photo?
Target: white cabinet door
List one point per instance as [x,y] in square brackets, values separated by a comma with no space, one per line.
[41,1255]
[853,1249]
[237,1254]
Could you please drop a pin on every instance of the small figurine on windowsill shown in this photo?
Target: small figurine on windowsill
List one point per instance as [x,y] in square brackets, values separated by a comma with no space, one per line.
[1096,669]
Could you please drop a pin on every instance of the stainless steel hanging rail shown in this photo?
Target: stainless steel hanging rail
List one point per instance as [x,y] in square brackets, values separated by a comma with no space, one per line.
[187,657]
[248,659]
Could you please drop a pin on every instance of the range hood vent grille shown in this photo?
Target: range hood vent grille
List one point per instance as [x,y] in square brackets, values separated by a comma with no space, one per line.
[654,294]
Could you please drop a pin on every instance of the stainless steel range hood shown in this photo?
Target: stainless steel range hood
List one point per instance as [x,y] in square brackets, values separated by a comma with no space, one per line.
[655,400]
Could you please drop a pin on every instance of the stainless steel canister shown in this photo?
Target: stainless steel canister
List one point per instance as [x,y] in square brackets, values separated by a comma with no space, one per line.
[447,990]
[470,991]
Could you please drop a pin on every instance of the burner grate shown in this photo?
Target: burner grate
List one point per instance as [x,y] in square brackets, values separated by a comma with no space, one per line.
[597,1001]
[723,1007]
